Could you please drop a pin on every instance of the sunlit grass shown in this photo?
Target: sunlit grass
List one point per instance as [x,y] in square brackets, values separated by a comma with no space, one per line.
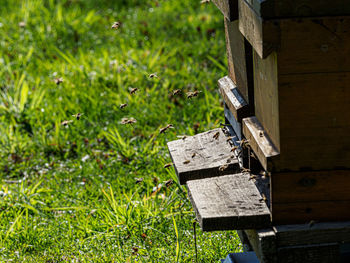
[71,193]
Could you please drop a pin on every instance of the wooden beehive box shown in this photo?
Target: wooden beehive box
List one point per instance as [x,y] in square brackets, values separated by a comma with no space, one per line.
[301,95]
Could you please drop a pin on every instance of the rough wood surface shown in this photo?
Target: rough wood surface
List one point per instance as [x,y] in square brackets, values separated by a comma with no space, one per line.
[299,8]
[233,99]
[263,242]
[323,253]
[263,35]
[307,234]
[260,142]
[236,126]
[200,156]
[240,62]
[228,202]
[229,8]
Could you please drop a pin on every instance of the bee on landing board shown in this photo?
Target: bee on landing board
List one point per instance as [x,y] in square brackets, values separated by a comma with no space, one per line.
[223,167]
[216,135]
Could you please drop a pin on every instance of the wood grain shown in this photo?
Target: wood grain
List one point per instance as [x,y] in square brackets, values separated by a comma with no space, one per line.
[306,234]
[210,154]
[233,99]
[228,202]
[229,8]
[263,35]
[299,8]
[240,62]
[260,143]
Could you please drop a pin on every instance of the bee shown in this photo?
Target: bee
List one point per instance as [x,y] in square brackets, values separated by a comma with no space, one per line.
[78,115]
[58,81]
[65,123]
[205,2]
[186,162]
[133,90]
[183,137]
[116,25]
[245,170]
[162,130]
[265,174]
[192,94]
[167,165]
[128,121]
[229,138]
[22,24]
[138,180]
[253,177]
[228,160]
[194,155]
[261,134]
[216,135]
[244,143]
[263,198]
[153,75]
[234,148]
[169,182]
[312,223]
[176,92]
[122,106]
[223,167]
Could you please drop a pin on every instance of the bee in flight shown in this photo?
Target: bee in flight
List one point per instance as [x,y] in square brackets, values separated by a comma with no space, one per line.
[192,94]
[128,121]
[153,75]
[58,81]
[133,90]
[65,123]
[78,115]
[122,106]
[138,180]
[162,130]
[205,2]
[223,167]
[167,165]
[115,25]
[177,92]
[169,182]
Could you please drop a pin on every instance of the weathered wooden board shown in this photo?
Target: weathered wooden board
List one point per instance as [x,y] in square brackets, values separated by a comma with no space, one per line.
[299,8]
[263,242]
[233,99]
[307,234]
[263,35]
[240,62]
[260,143]
[228,202]
[236,126]
[200,156]
[323,253]
[229,8]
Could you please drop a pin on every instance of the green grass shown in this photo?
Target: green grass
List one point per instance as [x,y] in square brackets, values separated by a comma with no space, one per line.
[69,193]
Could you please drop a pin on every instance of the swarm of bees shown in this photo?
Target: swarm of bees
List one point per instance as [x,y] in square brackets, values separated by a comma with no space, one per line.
[116,25]
[128,121]
[164,129]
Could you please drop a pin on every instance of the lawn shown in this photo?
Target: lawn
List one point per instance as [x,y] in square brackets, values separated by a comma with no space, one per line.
[95,190]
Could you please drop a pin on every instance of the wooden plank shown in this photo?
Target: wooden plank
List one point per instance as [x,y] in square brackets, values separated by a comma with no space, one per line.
[267,95]
[263,35]
[322,253]
[306,234]
[299,8]
[233,99]
[200,156]
[240,61]
[260,143]
[236,126]
[229,8]
[264,244]
[228,202]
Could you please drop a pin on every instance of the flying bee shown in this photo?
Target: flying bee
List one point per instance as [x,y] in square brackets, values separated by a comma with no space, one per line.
[153,75]
[234,148]
[243,143]
[205,2]
[223,167]
[194,155]
[252,177]
[78,115]
[128,121]
[186,162]
[245,170]
[162,130]
[138,180]
[216,135]
[22,24]
[192,94]
[133,90]
[122,106]
[167,165]
[58,81]
[115,25]
[169,182]
[183,137]
[176,92]
[229,138]
[65,123]
[263,198]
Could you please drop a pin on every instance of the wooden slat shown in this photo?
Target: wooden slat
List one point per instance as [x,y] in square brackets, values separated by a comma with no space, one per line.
[323,253]
[299,8]
[263,35]
[236,126]
[240,61]
[200,156]
[263,242]
[306,234]
[260,143]
[228,202]
[229,8]
[233,99]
